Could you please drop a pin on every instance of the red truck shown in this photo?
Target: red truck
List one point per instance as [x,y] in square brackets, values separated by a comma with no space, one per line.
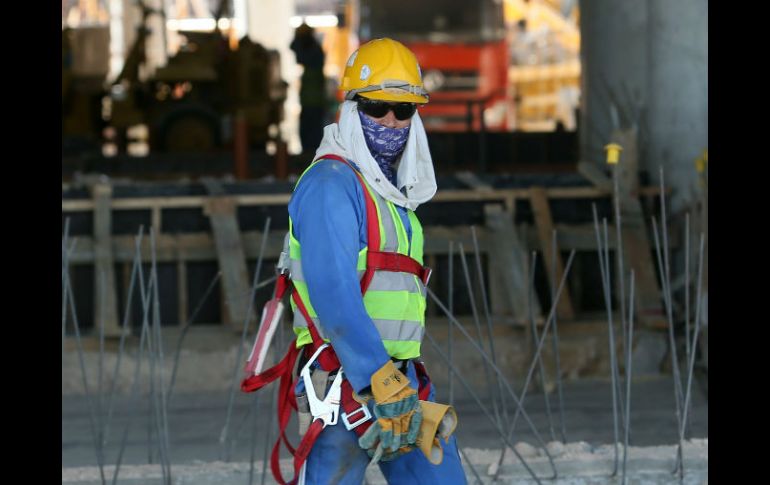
[462,49]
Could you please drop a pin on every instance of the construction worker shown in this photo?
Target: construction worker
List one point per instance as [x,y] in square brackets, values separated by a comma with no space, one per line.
[373,163]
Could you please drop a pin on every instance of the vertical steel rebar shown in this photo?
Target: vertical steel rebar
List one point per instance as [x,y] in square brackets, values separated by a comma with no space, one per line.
[81,359]
[490,388]
[531,369]
[604,269]
[124,331]
[224,449]
[619,253]
[163,408]
[507,386]
[629,354]
[486,412]
[450,348]
[671,340]
[614,348]
[473,468]
[555,341]
[688,348]
[100,368]
[687,285]
[691,362]
[154,418]
[186,328]
[135,390]
[488,317]
[535,338]
[146,297]
[667,275]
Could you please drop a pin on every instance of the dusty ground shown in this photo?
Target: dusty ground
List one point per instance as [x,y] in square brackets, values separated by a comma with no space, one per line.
[576,464]
[196,421]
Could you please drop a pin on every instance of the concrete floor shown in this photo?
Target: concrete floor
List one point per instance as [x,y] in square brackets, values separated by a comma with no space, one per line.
[196,421]
[196,414]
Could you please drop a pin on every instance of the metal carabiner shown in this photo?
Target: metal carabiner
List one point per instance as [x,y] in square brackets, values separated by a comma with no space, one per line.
[328,409]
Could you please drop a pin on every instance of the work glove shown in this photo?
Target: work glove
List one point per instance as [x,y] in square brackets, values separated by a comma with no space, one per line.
[438,421]
[398,414]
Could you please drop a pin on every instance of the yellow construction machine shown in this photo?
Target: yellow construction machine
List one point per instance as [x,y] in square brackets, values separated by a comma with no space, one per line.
[190,104]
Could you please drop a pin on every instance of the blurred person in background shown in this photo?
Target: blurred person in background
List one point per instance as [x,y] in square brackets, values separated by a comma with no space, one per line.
[312,92]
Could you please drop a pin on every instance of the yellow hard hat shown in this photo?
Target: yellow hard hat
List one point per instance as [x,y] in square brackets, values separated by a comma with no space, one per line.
[384,69]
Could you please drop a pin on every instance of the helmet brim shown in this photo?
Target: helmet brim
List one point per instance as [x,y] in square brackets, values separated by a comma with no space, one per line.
[395,98]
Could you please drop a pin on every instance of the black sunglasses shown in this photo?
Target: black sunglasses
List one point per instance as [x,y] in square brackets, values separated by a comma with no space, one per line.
[378,109]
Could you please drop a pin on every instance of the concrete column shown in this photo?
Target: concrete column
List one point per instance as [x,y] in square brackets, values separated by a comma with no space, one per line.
[655,52]
[678,77]
[614,54]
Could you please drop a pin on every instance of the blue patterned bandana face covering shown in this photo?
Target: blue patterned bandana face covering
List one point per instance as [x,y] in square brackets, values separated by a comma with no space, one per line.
[385,144]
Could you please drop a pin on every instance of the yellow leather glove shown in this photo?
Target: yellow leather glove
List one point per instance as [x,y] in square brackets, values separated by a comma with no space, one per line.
[397,411]
[438,420]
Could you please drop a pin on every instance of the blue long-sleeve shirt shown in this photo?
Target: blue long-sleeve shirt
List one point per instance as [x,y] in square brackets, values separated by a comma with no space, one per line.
[328,214]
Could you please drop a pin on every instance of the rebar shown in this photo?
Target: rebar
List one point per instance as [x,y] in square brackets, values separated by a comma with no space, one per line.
[533,329]
[474,312]
[147,332]
[163,406]
[619,253]
[614,349]
[507,386]
[687,285]
[555,341]
[124,331]
[135,391]
[473,468]
[629,352]
[691,362]
[223,435]
[186,328]
[486,412]
[488,317]
[604,269]
[100,367]
[666,274]
[536,357]
[79,346]
[688,348]
[671,340]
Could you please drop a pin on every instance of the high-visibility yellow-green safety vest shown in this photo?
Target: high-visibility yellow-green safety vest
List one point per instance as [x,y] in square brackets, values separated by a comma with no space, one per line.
[395,301]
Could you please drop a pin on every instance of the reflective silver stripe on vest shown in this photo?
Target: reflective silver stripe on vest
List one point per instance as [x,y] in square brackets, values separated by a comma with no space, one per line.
[388,329]
[388,224]
[392,281]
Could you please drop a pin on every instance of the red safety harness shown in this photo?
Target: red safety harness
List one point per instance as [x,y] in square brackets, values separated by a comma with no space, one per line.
[375,261]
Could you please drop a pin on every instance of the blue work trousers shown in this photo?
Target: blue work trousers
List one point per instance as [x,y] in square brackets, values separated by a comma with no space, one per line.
[336,459]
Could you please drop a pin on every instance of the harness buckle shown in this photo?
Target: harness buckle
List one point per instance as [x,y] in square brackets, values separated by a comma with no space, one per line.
[367,415]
